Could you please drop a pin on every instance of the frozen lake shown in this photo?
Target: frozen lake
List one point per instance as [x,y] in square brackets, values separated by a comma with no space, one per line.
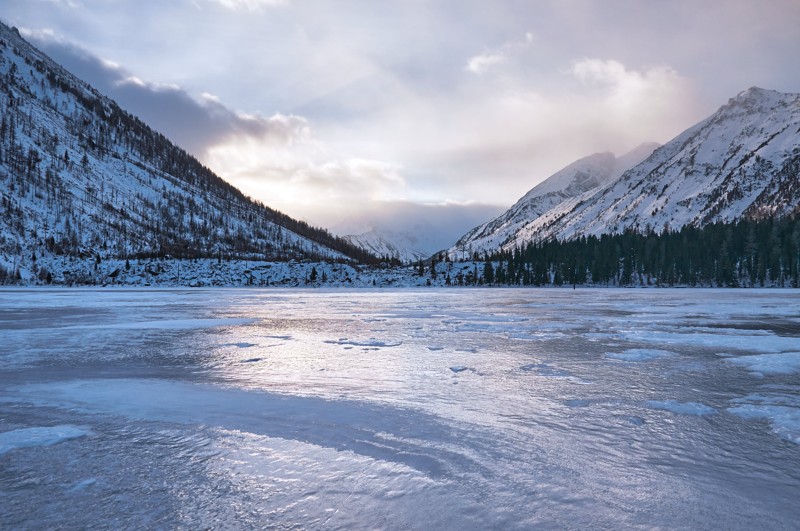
[406,409]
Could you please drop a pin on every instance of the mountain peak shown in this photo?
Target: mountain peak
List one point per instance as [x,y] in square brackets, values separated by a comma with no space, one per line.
[756,99]
[740,162]
[582,176]
[755,92]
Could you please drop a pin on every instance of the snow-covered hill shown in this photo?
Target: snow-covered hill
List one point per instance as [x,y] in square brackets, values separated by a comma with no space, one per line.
[82,178]
[580,177]
[741,162]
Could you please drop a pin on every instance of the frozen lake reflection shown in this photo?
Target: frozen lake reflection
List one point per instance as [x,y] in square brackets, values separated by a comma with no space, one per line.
[407,409]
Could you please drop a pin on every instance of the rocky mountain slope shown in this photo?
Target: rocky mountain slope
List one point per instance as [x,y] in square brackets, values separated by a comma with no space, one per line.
[82,178]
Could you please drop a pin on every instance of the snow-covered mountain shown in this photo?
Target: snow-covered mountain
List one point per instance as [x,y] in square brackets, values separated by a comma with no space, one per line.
[741,162]
[385,243]
[81,177]
[582,176]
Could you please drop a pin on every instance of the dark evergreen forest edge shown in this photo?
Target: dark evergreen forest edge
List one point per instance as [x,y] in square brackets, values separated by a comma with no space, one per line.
[746,253]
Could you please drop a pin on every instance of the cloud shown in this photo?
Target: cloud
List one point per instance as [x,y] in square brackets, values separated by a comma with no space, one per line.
[481,63]
[597,70]
[628,84]
[248,5]
[296,171]
[196,124]
[638,96]
[69,4]
[495,137]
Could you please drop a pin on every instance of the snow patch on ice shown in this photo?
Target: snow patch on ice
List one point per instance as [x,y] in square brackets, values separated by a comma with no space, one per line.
[640,354]
[682,408]
[372,342]
[782,363]
[536,336]
[240,345]
[781,410]
[39,436]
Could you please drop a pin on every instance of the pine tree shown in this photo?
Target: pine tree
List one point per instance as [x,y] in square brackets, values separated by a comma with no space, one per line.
[488,272]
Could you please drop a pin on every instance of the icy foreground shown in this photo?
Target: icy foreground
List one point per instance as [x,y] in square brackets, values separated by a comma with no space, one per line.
[406,409]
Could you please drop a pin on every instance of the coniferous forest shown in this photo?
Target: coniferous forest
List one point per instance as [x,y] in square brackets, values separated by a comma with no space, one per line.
[746,253]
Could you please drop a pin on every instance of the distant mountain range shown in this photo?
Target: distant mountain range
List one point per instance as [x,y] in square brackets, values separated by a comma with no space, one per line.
[742,162]
[82,177]
[403,247]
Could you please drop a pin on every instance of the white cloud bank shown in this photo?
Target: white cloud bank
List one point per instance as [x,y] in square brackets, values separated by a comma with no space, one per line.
[652,88]
[286,167]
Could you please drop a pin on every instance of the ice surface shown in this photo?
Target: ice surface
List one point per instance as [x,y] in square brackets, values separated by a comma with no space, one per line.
[39,436]
[683,408]
[639,354]
[81,485]
[333,409]
[167,324]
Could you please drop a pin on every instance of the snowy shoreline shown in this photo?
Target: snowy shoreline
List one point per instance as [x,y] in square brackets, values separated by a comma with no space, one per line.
[208,272]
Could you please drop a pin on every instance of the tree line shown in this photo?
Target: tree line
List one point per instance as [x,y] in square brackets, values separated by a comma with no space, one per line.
[745,253]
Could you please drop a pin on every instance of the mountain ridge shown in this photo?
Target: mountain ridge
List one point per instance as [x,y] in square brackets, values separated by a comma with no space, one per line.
[574,180]
[742,161]
[81,177]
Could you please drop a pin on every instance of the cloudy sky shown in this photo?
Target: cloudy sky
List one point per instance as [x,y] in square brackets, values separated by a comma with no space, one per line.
[342,112]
